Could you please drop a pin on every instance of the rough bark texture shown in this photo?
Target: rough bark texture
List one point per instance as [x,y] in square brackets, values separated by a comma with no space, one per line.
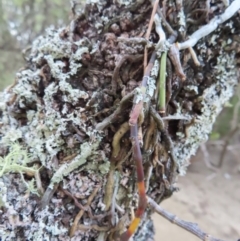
[56,112]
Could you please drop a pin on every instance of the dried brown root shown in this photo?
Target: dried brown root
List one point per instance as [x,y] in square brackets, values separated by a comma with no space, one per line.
[116,80]
[117,137]
[113,117]
[166,136]
[109,186]
[149,134]
[75,225]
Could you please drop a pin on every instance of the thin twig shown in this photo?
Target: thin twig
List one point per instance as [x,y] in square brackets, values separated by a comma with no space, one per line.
[93,227]
[194,56]
[155,5]
[117,137]
[109,186]
[211,26]
[205,152]
[149,134]
[79,205]
[173,54]
[114,116]
[116,80]
[167,139]
[159,29]
[176,117]
[227,141]
[70,157]
[81,212]
[148,176]
[190,227]
[169,29]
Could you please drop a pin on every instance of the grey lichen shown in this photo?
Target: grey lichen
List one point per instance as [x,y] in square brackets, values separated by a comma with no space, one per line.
[74,82]
[212,101]
[3,195]
[67,168]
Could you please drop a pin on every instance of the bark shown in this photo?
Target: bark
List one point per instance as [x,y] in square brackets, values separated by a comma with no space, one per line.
[64,120]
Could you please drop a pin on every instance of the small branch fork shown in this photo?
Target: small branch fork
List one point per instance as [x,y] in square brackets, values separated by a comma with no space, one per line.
[190,227]
[75,224]
[211,26]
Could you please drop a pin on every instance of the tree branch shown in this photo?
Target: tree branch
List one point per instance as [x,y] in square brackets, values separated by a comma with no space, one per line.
[188,226]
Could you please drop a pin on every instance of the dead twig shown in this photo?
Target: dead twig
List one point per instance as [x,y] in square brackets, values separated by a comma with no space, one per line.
[116,80]
[169,29]
[79,205]
[75,225]
[190,227]
[155,5]
[211,26]
[167,139]
[109,186]
[117,137]
[173,54]
[94,226]
[113,218]
[194,56]
[149,134]
[114,116]
[227,141]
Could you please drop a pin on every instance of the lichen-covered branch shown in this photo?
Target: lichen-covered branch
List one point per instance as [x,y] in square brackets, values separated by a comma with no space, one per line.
[69,110]
[188,226]
[211,26]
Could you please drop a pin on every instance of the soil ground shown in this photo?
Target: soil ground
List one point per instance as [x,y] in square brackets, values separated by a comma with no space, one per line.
[211,199]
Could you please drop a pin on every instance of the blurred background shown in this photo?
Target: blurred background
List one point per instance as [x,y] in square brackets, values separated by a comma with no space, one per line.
[210,192]
[21,21]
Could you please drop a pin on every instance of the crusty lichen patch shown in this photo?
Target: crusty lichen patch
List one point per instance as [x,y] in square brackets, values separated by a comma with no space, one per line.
[212,101]
[45,130]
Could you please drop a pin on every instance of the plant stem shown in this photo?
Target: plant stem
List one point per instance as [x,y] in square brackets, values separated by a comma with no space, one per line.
[162,83]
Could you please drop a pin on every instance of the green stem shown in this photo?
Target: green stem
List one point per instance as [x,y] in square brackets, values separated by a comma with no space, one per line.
[162,83]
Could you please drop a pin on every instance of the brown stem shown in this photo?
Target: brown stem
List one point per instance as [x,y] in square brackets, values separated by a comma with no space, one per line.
[81,212]
[167,138]
[137,108]
[114,116]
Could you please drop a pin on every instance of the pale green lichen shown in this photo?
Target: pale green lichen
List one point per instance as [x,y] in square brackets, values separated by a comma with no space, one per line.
[86,150]
[104,168]
[17,161]
[43,131]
